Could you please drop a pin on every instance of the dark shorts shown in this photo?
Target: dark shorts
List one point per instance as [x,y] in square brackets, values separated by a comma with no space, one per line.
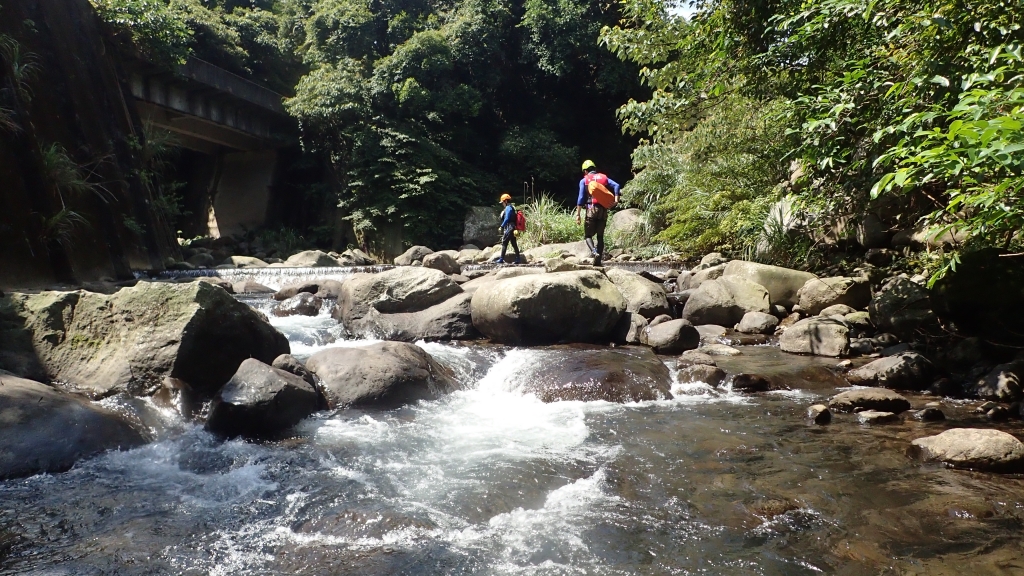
[597,218]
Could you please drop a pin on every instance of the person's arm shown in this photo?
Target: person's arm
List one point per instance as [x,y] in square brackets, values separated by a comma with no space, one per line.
[581,201]
[508,216]
[615,189]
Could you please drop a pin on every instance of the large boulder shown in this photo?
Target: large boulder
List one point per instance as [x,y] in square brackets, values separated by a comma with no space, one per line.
[672,337]
[901,307]
[642,296]
[818,336]
[725,301]
[449,320]
[1004,382]
[696,373]
[414,254]
[820,293]
[879,399]
[630,328]
[310,259]
[625,222]
[260,401]
[442,261]
[699,277]
[757,323]
[544,251]
[43,430]
[582,306]
[903,371]
[481,226]
[973,449]
[782,283]
[394,291]
[244,262]
[613,375]
[355,257]
[131,340]
[386,373]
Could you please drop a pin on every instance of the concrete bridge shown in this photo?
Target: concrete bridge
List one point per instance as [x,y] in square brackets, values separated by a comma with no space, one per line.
[230,130]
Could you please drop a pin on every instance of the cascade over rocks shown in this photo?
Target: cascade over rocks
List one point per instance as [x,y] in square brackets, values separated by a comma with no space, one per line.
[818,336]
[625,374]
[385,374]
[820,293]
[321,288]
[972,449]
[903,371]
[782,284]
[671,337]
[43,430]
[581,306]
[302,304]
[131,340]
[260,401]
[725,301]
[414,254]
[642,295]
[879,399]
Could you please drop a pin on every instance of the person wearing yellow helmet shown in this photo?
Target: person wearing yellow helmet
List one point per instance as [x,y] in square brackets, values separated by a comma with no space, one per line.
[598,193]
[509,219]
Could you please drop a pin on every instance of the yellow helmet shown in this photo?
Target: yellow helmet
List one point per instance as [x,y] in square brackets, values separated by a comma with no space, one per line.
[505,197]
[587,164]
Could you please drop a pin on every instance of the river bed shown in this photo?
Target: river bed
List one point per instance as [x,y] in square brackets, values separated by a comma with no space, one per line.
[489,480]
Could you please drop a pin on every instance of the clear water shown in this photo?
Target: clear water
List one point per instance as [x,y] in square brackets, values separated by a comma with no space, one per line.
[491,481]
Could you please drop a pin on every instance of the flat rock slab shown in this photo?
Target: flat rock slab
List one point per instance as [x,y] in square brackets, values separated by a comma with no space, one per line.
[973,448]
[877,417]
[869,399]
[626,374]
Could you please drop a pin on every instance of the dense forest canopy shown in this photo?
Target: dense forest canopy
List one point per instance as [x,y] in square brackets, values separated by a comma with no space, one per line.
[417,108]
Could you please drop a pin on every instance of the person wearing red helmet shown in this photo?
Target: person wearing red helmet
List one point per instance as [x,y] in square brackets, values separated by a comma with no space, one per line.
[508,228]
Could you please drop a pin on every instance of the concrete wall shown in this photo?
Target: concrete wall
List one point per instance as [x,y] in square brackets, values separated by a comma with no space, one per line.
[243,191]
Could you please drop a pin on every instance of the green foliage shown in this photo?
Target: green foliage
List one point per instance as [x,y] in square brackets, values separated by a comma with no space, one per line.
[548,222]
[156,28]
[158,151]
[70,178]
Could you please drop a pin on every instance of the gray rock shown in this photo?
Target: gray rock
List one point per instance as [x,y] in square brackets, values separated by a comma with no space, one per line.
[860,323]
[612,375]
[725,301]
[625,222]
[1003,383]
[443,262]
[710,333]
[310,259]
[43,430]
[750,383]
[245,262]
[250,287]
[672,337]
[694,280]
[973,449]
[839,310]
[869,399]
[559,265]
[202,260]
[713,259]
[582,306]
[876,417]
[862,346]
[872,233]
[394,291]
[289,363]
[998,414]
[302,304]
[449,320]
[965,353]
[414,254]
[131,340]
[820,293]
[481,226]
[901,307]
[819,414]
[897,349]
[817,336]
[715,349]
[260,401]
[659,319]
[386,373]
[710,375]
[642,296]
[291,290]
[629,329]
[782,284]
[692,357]
[928,415]
[467,255]
[904,371]
[757,323]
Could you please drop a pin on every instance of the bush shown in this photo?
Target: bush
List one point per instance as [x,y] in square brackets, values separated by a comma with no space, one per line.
[548,222]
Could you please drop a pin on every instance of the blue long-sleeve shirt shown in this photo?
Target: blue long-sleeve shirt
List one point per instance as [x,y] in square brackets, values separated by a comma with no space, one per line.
[584,197]
[508,217]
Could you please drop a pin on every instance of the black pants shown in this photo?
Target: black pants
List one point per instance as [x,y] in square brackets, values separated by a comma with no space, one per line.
[597,218]
[509,236]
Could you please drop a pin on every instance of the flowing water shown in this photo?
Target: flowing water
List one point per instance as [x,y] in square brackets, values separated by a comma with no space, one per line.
[489,480]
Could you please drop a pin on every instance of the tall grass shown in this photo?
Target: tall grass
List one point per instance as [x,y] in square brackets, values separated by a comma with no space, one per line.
[548,222]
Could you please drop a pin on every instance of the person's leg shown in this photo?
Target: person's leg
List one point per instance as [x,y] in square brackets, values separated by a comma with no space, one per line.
[504,247]
[588,232]
[599,226]
[515,246]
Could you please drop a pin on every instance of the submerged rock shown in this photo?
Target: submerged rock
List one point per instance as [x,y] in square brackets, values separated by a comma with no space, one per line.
[613,375]
[260,401]
[878,399]
[582,306]
[973,448]
[131,340]
[386,373]
[43,430]
[876,417]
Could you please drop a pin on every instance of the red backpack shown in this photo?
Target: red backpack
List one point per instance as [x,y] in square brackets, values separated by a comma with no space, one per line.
[520,220]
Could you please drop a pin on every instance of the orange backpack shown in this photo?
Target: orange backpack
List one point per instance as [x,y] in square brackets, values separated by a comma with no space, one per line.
[597,187]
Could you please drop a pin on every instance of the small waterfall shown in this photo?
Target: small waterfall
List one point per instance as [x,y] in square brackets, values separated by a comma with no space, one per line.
[277,276]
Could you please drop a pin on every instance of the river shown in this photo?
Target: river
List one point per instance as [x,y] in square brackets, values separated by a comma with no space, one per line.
[489,480]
